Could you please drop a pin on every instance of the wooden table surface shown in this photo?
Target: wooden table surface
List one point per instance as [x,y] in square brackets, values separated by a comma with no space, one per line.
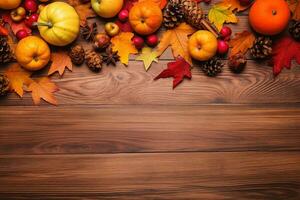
[120,135]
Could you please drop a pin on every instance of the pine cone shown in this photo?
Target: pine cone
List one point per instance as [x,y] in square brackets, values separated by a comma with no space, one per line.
[295,30]
[237,63]
[110,57]
[77,54]
[262,47]
[6,54]
[4,85]
[93,60]
[192,13]
[212,67]
[173,14]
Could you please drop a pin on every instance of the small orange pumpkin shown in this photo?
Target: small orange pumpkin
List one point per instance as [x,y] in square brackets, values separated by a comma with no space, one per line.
[269,17]
[145,17]
[32,53]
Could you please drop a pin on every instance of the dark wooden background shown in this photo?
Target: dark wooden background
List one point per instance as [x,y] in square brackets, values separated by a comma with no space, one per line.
[120,135]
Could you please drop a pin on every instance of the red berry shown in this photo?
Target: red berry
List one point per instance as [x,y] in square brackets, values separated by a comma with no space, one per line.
[225,33]
[22,34]
[223,47]
[138,42]
[31,6]
[31,19]
[152,40]
[123,15]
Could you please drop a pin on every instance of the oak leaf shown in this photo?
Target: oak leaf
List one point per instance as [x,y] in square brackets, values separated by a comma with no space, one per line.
[295,8]
[18,78]
[284,51]
[43,88]
[177,38]
[241,42]
[123,45]
[60,61]
[235,5]
[84,10]
[220,14]
[178,70]
[148,56]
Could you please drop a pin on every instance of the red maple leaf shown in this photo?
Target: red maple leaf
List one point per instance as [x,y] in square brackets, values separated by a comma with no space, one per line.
[178,70]
[15,27]
[284,51]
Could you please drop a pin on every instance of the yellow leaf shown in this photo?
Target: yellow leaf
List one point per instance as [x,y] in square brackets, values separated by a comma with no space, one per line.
[148,56]
[295,8]
[84,10]
[43,88]
[60,61]
[234,5]
[241,42]
[219,14]
[18,78]
[123,45]
[178,40]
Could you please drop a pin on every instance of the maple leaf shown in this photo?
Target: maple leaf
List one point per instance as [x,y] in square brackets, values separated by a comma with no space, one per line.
[220,14]
[294,6]
[123,45]
[84,10]
[160,3]
[18,78]
[178,70]
[242,42]
[234,5]
[15,27]
[43,88]
[177,38]
[3,31]
[284,51]
[148,56]
[60,61]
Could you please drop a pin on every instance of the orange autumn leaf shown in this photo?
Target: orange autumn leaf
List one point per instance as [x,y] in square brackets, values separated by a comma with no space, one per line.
[123,45]
[177,38]
[60,61]
[84,10]
[18,78]
[235,5]
[295,8]
[241,42]
[43,88]
[160,3]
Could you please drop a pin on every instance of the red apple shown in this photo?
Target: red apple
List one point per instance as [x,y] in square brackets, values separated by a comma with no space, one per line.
[138,42]
[225,33]
[123,15]
[31,19]
[22,34]
[31,6]
[152,40]
[223,47]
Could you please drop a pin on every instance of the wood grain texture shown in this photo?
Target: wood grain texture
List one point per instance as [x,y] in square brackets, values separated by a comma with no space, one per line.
[155,176]
[115,129]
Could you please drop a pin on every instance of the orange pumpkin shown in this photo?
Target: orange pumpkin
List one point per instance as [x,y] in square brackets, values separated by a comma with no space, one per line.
[145,17]
[269,17]
[32,53]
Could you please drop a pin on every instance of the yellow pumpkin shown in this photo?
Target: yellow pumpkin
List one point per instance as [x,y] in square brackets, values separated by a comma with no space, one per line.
[58,24]
[32,53]
[9,4]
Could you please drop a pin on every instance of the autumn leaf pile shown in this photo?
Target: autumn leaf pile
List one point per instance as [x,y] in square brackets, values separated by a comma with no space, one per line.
[285,49]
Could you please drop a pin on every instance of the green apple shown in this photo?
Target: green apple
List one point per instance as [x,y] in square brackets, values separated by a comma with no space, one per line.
[107,8]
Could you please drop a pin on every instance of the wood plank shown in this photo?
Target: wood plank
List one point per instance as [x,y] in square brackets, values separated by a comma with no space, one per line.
[116,129]
[132,85]
[155,176]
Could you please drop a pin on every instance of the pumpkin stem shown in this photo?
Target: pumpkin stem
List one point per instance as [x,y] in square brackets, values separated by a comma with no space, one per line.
[49,24]
[274,12]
